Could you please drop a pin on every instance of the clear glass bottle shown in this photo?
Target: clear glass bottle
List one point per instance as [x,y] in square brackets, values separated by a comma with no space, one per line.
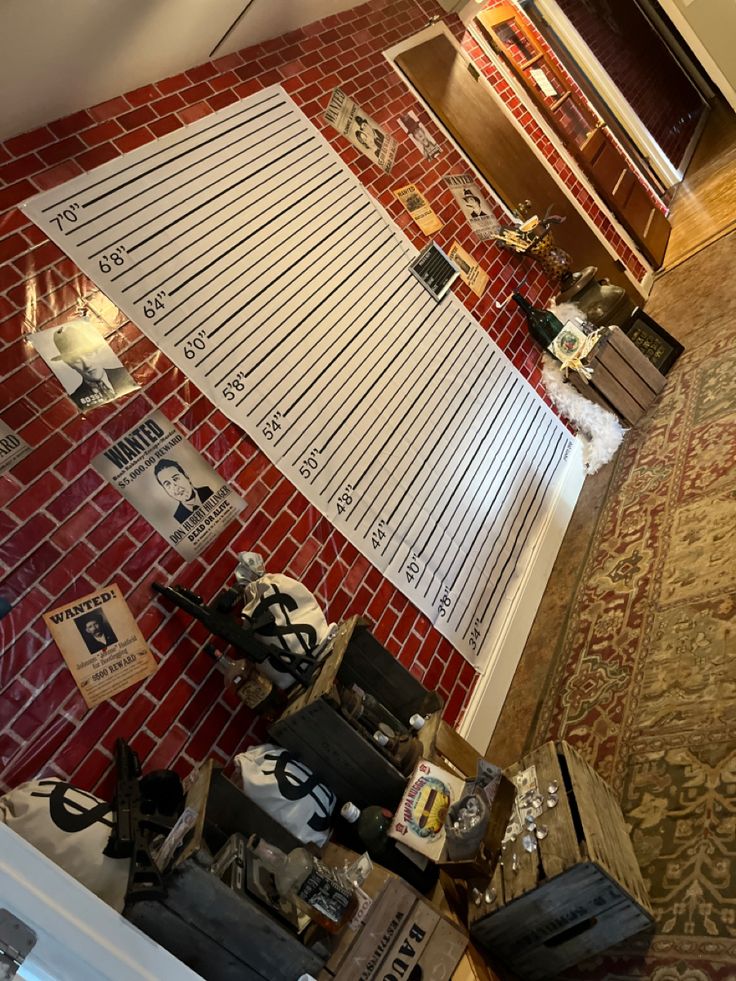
[542,324]
[319,891]
[241,676]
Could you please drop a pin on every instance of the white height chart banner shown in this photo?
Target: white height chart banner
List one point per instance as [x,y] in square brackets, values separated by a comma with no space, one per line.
[249,253]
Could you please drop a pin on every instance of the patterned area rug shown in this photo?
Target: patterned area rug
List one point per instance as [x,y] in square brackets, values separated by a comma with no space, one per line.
[644,681]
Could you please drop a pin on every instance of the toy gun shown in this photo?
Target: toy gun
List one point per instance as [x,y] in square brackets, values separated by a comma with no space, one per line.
[142,809]
[244,638]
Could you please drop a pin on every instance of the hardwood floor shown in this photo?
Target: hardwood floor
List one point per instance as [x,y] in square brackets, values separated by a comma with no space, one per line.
[704,207]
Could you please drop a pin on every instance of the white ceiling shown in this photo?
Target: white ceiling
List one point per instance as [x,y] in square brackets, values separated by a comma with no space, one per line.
[58,56]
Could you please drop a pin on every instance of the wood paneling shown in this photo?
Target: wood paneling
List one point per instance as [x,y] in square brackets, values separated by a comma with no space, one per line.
[452,88]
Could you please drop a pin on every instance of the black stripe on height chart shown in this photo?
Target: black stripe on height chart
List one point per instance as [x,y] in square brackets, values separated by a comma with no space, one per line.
[213,129]
[510,535]
[360,255]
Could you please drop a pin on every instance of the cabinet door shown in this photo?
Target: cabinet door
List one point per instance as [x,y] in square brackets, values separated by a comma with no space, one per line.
[580,130]
[451,87]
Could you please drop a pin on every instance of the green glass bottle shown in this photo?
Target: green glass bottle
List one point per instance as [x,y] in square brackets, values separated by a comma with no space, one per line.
[370,825]
[543,325]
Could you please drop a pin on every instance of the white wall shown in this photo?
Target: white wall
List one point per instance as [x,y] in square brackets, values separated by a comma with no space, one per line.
[709,27]
[59,56]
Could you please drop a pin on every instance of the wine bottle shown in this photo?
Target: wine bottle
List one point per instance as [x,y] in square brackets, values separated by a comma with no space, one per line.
[319,891]
[542,324]
[371,826]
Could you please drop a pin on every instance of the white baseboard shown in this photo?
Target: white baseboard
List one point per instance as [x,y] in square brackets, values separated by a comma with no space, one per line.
[489,694]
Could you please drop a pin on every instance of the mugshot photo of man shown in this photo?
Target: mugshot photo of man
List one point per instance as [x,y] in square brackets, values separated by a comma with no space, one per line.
[96,631]
[174,479]
[101,377]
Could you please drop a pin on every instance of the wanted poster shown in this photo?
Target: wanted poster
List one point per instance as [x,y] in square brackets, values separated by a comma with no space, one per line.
[101,644]
[84,363]
[365,134]
[13,448]
[474,206]
[470,272]
[419,136]
[419,208]
[170,484]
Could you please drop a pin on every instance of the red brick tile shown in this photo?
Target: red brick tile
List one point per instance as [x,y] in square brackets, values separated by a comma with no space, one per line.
[97,156]
[208,732]
[91,770]
[143,95]
[71,124]
[38,752]
[201,72]
[12,246]
[9,747]
[76,494]
[28,142]
[108,110]
[62,150]
[190,114]
[167,750]
[90,733]
[222,99]
[131,141]
[76,561]
[176,698]
[21,167]
[173,84]
[138,117]
[101,133]
[28,572]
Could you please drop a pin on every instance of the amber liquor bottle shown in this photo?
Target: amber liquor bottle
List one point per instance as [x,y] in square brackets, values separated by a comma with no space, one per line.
[321,892]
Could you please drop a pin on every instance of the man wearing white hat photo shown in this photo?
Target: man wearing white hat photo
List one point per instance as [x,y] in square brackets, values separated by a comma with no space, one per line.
[101,376]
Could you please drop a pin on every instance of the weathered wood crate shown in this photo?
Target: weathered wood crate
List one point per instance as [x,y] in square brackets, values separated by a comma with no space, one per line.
[403,936]
[623,378]
[221,934]
[313,728]
[579,893]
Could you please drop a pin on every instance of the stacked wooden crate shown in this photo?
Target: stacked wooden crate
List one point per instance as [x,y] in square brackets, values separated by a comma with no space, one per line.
[579,892]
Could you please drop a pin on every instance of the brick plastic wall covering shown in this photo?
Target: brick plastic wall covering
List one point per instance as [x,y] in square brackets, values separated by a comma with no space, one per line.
[64,532]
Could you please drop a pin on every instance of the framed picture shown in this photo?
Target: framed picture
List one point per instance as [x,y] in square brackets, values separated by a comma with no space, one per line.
[652,340]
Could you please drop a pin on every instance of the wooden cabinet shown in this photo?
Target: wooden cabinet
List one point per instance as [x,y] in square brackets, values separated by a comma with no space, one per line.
[451,86]
[580,129]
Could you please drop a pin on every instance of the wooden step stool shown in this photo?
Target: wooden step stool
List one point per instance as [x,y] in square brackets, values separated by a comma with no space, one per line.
[580,892]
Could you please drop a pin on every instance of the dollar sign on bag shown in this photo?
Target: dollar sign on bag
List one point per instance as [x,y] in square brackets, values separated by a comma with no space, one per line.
[299,782]
[303,633]
[70,814]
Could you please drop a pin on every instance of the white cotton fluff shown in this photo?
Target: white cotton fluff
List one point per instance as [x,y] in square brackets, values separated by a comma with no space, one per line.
[565,312]
[600,430]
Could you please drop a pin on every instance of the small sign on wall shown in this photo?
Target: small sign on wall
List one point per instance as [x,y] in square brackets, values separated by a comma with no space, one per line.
[13,448]
[363,132]
[101,644]
[170,484]
[419,208]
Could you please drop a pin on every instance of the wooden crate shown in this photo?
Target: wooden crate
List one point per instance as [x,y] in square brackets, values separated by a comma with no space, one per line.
[315,730]
[456,754]
[580,892]
[623,378]
[403,936]
[219,933]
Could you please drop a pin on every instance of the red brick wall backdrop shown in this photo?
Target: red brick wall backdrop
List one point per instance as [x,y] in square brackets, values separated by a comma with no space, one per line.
[64,532]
